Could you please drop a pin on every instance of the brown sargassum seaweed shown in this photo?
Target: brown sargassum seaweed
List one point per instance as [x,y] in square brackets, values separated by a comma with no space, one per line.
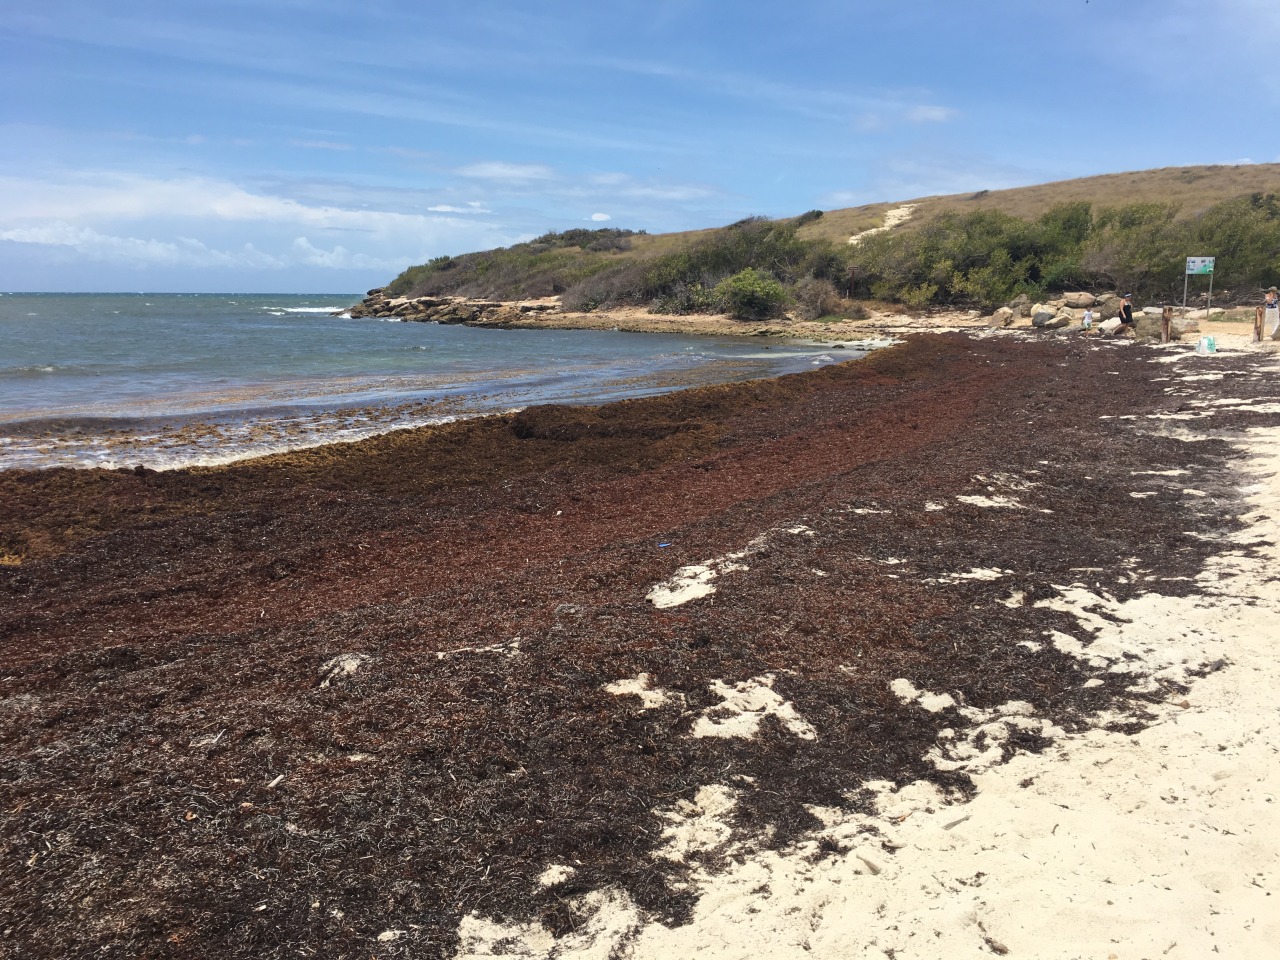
[180,778]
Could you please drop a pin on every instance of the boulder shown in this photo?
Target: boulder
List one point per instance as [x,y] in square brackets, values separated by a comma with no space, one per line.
[1048,320]
[1146,327]
[1079,300]
[1184,325]
[1020,305]
[1003,317]
[1153,312]
[1106,309]
[1109,326]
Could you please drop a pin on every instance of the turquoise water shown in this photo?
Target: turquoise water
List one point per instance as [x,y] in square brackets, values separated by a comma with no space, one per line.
[167,380]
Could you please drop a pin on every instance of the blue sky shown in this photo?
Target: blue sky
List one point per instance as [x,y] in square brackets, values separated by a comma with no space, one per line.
[323,146]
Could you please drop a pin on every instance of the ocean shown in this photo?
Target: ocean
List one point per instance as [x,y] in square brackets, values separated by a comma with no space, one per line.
[173,380]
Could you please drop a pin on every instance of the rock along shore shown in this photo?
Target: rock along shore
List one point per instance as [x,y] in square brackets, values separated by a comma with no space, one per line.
[1064,314]
[494,313]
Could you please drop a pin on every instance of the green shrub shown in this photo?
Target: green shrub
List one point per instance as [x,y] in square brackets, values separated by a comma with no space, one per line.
[686,298]
[920,296]
[981,258]
[752,295]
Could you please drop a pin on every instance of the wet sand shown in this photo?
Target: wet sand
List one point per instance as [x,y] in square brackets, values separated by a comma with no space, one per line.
[637,680]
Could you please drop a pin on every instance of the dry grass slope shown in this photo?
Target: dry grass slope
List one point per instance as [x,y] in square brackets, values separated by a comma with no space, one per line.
[1193,188]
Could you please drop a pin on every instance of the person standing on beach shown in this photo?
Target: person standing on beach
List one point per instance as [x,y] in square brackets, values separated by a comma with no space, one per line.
[1271,314]
[1088,320]
[1126,314]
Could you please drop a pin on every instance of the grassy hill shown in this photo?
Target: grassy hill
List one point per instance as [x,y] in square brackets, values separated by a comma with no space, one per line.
[976,249]
[1192,189]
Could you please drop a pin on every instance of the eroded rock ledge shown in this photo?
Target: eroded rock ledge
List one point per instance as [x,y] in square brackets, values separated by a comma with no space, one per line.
[495,313]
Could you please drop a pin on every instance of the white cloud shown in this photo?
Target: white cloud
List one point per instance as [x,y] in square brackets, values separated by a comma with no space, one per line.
[600,217]
[134,221]
[608,179]
[99,246]
[339,258]
[507,172]
[889,114]
[92,199]
[472,206]
[321,145]
[608,188]
[926,113]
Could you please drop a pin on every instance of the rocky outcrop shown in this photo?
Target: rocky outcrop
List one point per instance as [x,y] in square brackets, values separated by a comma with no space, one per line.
[462,310]
[1107,305]
[1046,319]
[1068,310]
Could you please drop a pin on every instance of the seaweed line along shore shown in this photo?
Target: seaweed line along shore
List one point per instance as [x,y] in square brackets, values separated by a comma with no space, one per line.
[963,648]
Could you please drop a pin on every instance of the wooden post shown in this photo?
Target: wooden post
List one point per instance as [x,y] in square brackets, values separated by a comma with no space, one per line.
[1257,325]
[1166,324]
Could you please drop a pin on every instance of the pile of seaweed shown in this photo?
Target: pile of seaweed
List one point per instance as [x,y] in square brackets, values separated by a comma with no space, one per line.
[281,707]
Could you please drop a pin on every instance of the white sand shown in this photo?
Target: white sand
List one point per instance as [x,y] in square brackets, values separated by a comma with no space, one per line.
[698,580]
[894,217]
[1165,844]
[743,705]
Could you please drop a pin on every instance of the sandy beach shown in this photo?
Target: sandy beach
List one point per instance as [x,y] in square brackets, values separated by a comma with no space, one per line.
[959,650]
[1160,842]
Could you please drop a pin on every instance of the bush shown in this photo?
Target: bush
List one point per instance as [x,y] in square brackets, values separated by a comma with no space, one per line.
[686,298]
[817,297]
[605,238]
[752,295]
[982,258]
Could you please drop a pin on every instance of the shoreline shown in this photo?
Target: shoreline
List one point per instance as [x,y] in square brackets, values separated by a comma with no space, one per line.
[206,416]
[646,677]
[1235,334]
[546,314]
